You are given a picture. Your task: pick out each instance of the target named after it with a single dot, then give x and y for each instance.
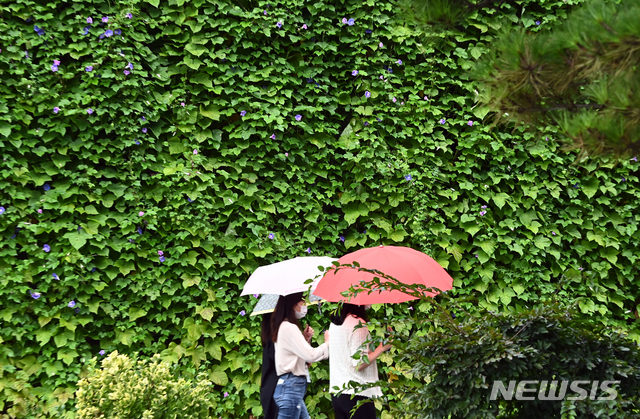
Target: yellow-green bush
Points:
(127, 388)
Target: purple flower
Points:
(483, 207)
(88, 68)
(54, 68)
(342, 238)
(195, 151)
(442, 121)
(105, 19)
(226, 394)
(56, 62)
(161, 258)
(408, 177)
(298, 118)
(411, 308)
(129, 15)
(623, 179)
(379, 120)
(271, 236)
(580, 268)
(634, 159)
(38, 30)
(2, 210)
(273, 136)
(108, 33)
(354, 73)
(553, 232)
(35, 295)
(102, 352)
(476, 255)
(344, 20)
(118, 32)
(89, 20)
(242, 313)
(265, 12)
(470, 123)
(537, 22)
(189, 199)
(308, 250)
(482, 213)
(366, 123)
(160, 253)
(89, 111)
(141, 213)
(381, 77)
(286, 154)
(394, 99)
(351, 22)
(101, 36)
(182, 104)
(46, 187)
(139, 230)
(143, 118)
(304, 26)
(86, 30)
(93, 269)
(380, 45)
(144, 130)
(55, 276)
(426, 98)
(368, 31)
(127, 72)
(256, 295)
(56, 109)
(71, 304)
(367, 93)
(243, 113)
(399, 62)
(279, 24)
(39, 211)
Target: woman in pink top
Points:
(293, 352)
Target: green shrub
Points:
(124, 388)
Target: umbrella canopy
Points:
(267, 303)
(405, 264)
(286, 277)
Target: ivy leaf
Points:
(126, 337)
(5, 128)
(591, 187)
(541, 242)
(76, 240)
(213, 348)
(136, 313)
(212, 112)
(218, 376)
(500, 199)
(67, 355)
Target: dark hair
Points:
(265, 333)
(346, 309)
(284, 310)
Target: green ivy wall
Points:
(137, 195)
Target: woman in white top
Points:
(346, 341)
(293, 352)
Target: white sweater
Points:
(344, 343)
(293, 351)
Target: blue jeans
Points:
(289, 397)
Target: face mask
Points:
(367, 306)
(303, 312)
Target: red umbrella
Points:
(403, 263)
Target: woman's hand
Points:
(326, 337)
(308, 333)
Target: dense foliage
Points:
(581, 75)
(126, 388)
(154, 155)
(455, 359)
